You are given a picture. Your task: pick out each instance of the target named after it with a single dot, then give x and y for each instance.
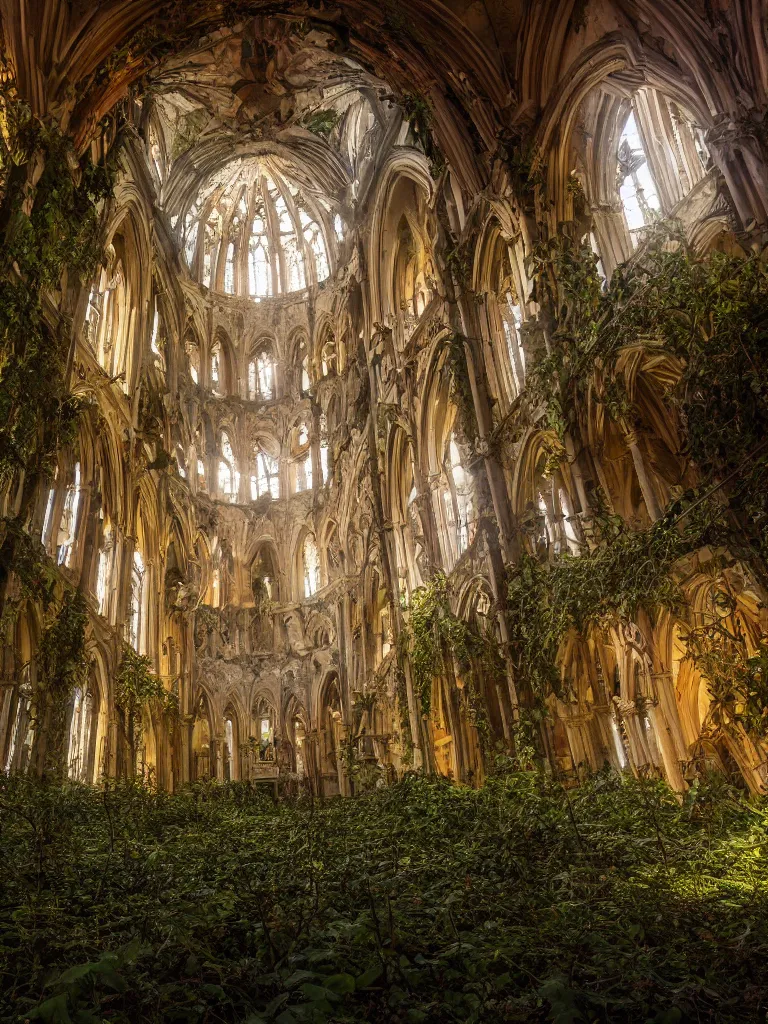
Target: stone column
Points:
(646, 487)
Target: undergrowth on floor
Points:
(424, 901)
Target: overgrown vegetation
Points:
(707, 315)
(420, 902)
(737, 678)
(138, 690)
(691, 330)
(625, 570)
(62, 657)
(50, 238)
(460, 385)
(321, 122)
(419, 115)
(434, 633)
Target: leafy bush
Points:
(420, 902)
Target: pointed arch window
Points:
(313, 236)
(190, 245)
(512, 320)
(458, 499)
(303, 459)
(637, 189)
(104, 573)
(229, 748)
(69, 520)
(229, 270)
(261, 376)
(21, 731)
(324, 453)
(136, 610)
(48, 519)
(311, 566)
(292, 250)
(216, 368)
(229, 478)
(264, 478)
(193, 357)
(79, 734)
(259, 262)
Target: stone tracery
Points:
(283, 456)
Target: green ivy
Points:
(460, 385)
(737, 679)
(626, 570)
(138, 689)
(433, 632)
(419, 902)
(321, 122)
(419, 115)
(50, 234)
(63, 663)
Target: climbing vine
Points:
(419, 115)
(62, 667)
(50, 240)
(321, 122)
(137, 690)
(433, 633)
(626, 570)
(62, 657)
(460, 386)
(737, 679)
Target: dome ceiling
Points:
(251, 232)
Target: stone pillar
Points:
(666, 748)
(646, 487)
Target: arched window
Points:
(212, 241)
(512, 320)
(303, 459)
(80, 726)
(230, 739)
(411, 292)
(261, 376)
(571, 537)
(193, 357)
(216, 369)
(314, 239)
(311, 565)
(104, 572)
(292, 250)
(259, 262)
(264, 477)
(637, 188)
(136, 610)
(229, 478)
(270, 235)
(21, 731)
(181, 461)
(324, 453)
(69, 520)
(229, 270)
(48, 519)
(458, 499)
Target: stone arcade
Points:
(318, 208)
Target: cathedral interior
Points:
(280, 445)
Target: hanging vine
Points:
(137, 690)
(433, 633)
(626, 570)
(63, 665)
